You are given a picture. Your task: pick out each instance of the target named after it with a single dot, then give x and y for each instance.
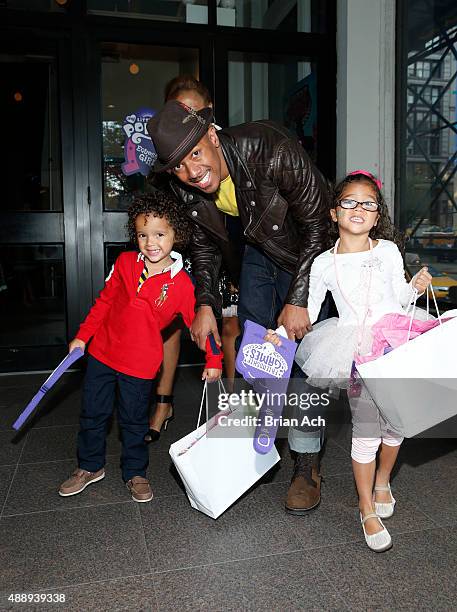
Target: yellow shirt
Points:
(225, 197)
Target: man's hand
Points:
(296, 321)
(203, 325)
(211, 374)
(76, 343)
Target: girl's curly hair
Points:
(384, 229)
(162, 205)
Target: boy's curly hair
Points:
(384, 229)
(162, 205)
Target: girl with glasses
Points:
(365, 274)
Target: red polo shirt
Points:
(125, 324)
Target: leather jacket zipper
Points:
(248, 225)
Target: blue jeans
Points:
(263, 291)
(99, 394)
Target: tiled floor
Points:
(105, 552)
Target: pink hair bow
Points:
(370, 176)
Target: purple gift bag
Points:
(267, 367)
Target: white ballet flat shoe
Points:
(378, 542)
(384, 509)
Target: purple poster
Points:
(139, 151)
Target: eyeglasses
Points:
(370, 206)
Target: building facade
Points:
(363, 83)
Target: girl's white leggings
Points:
(364, 449)
(369, 429)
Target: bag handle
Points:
(220, 384)
(201, 404)
(204, 394)
(413, 304)
(438, 315)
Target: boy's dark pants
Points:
(99, 394)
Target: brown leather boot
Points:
(304, 492)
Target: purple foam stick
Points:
(63, 366)
(267, 368)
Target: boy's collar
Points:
(173, 268)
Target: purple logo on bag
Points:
(259, 359)
(264, 358)
(267, 367)
(139, 151)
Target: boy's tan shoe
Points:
(79, 480)
(140, 489)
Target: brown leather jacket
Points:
(283, 203)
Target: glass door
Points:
(34, 258)
(132, 82)
(67, 91)
(282, 88)
(294, 89)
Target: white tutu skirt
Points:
(327, 352)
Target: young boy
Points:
(144, 292)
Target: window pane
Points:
(133, 78)
(435, 69)
(277, 87)
(31, 167)
(32, 296)
(161, 10)
(429, 158)
(290, 16)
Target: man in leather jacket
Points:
(259, 172)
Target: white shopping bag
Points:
(415, 385)
(217, 462)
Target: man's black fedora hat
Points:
(175, 130)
